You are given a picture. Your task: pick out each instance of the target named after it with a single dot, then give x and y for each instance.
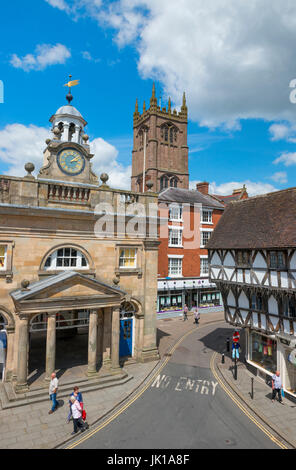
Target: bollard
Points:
(223, 358)
(227, 345)
(235, 368)
(252, 388)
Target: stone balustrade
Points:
(62, 193)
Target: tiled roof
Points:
(266, 221)
(191, 196)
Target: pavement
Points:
(31, 427)
(280, 418)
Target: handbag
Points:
(83, 415)
(283, 393)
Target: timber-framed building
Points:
(252, 255)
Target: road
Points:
(184, 407)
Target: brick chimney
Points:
(203, 187)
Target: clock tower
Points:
(67, 156)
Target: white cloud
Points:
(234, 58)
(253, 188)
(226, 189)
(45, 55)
(105, 160)
(280, 177)
(287, 158)
(60, 4)
(87, 56)
(21, 144)
(280, 131)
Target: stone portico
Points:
(59, 293)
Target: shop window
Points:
(277, 260)
(263, 351)
(66, 258)
(128, 258)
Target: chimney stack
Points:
(203, 187)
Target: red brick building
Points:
(188, 219)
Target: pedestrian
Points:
(185, 312)
(78, 395)
(276, 382)
(235, 350)
(196, 314)
(53, 390)
(76, 411)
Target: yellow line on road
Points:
(130, 402)
(242, 408)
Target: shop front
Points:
(263, 351)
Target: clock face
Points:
(71, 161)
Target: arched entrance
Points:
(126, 345)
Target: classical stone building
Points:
(67, 266)
(160, 150)
(252, 255)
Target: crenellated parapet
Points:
(161, 111)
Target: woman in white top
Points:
(76, 411)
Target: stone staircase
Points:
(10, 399)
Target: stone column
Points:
(50, 345)
(22, 355)
(9, 353)
(100, 338)
(92, 343)
(107, 338)
(115, 338)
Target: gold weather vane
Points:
(69, 85)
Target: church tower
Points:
(160, 151)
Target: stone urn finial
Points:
(57, 132)
(85, 138)
(149, 185)
(104, 178)
(25, 284)
(116, 281)
(29, 167)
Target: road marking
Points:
(242, 408)
(185, 384)
(141, 391)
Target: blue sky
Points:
(242, 125)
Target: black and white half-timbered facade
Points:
(252, 258)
